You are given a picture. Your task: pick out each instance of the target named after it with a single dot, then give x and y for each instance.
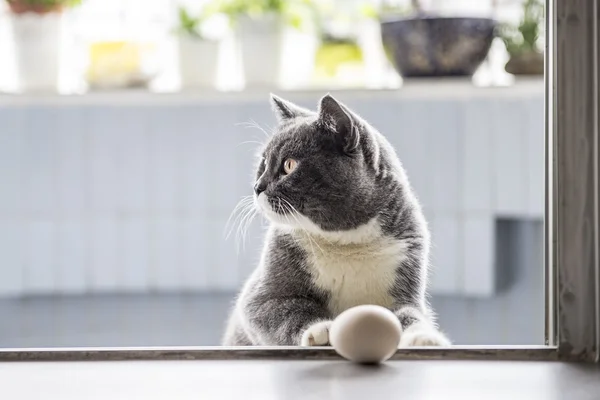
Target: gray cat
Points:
(346, 229)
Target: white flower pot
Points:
(260, 40)
(37, 47)
(198, 60)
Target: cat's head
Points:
(319, 170)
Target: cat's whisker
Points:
(246, 224)
(235, 215)
(246, 124)
(240, 234)
(310, 238)
(246, 221)
(237, 226)
(268, 132)
(306, 229)
(254, 124)
(289, 211)
(326, 218)
(256, 142)
(294, 213)
(270, 129)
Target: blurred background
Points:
(129, 129)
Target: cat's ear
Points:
(337, 118)
(285, 110)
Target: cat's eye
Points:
(289, 165)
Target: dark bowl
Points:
(433, 46)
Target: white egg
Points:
(366, 334)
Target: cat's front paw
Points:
(316, 335)
(423, 338)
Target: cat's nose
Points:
(259, 188)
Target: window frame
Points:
(572, 228)
(573, 180)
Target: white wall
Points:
(109, 193)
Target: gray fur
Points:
(347, 175)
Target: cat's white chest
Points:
(356, 274)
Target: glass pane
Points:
(135, 206)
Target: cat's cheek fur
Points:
(316, 334)
(422, 335)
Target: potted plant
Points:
(259, 26)
(522, 41)
(339, 58)
(335, 52)
(198, 54)
(36, 33)
(425, 45)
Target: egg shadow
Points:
(334, 380)
(347, 370)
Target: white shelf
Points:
(455, 88)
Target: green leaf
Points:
(524, 37)
(188, 24)
(297, 13)
(368, 10)
(48, 3)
